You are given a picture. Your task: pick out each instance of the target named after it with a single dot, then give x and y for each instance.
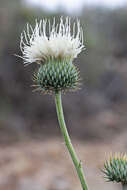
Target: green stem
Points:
(68, 143)
(124, 186)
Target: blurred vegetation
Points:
(103, 68)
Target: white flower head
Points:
(47, 41)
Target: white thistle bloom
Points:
(56, 41)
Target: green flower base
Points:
(57, 76)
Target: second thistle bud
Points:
(57, 76)
(116, 168)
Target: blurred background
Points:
(32, 151)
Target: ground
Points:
(46, 165)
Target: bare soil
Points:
(46, 165)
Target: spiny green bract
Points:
(116, 168)
(57, 76)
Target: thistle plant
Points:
(115, 169)
(54, 47)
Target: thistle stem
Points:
(68, 143)
(124, 186)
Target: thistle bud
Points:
(57, 76)
(115, 168)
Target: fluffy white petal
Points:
(56, 41)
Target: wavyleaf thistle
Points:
(53, 47)
(115, 169)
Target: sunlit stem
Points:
(77, 163)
